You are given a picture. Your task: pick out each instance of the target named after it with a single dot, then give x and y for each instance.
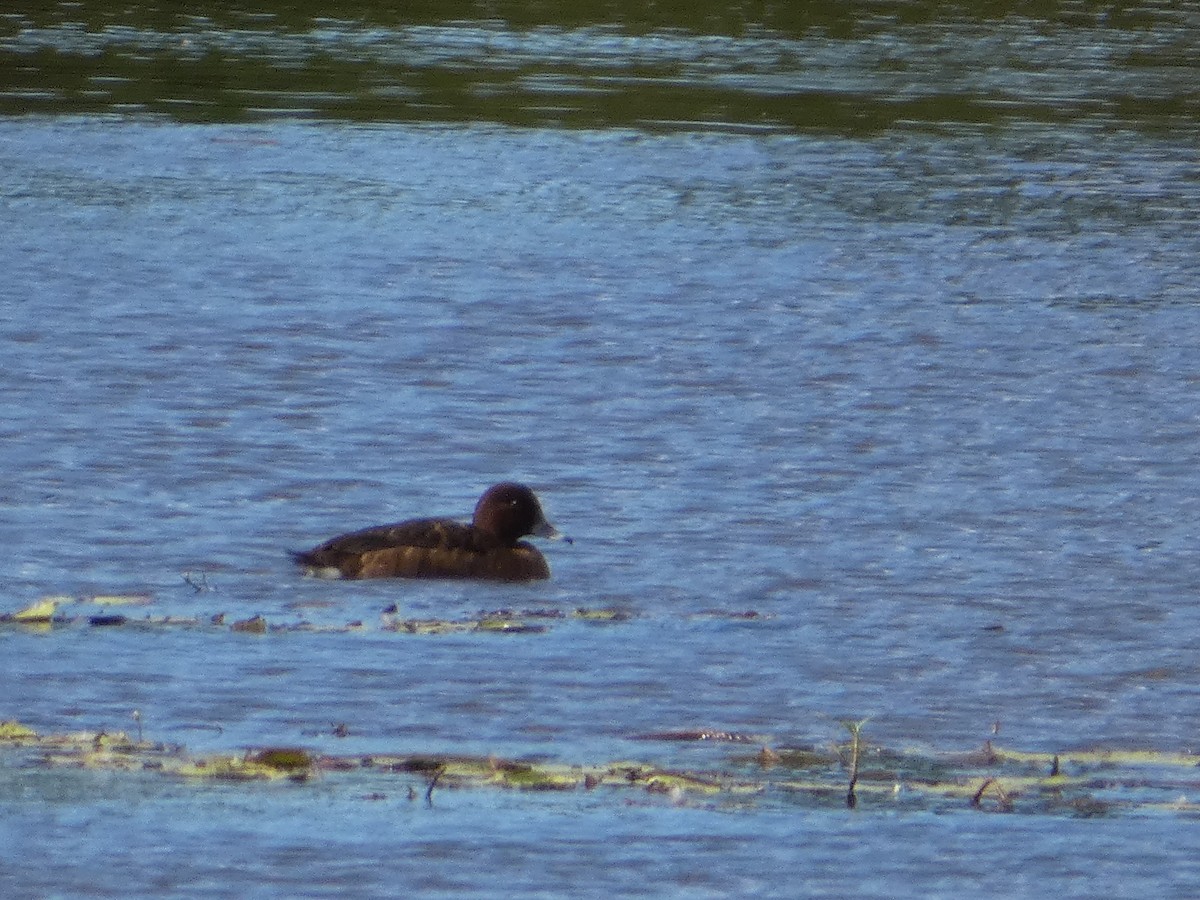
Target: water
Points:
(882, 328)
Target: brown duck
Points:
(490, 547)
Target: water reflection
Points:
(846, 68)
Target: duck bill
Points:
(544, 529)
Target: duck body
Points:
(488, 548)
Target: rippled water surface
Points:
(881, 328)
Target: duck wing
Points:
(428, 533)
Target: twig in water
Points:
(437, 774)
(198, 586)
(1003, 802)
(855, 729)
(987, 783)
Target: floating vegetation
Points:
(742, 615)
(269, 764)
(49, 612)
(16, 733)
(236, 768)
(603, 615)
(117, 599)
(1080, 783)
(491, 624)
(46, 610)
(40, 612)
(285, 759)
(253, 625)
(683, 736)
(505, 621)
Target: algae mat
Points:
(741, 772)
(1100, 782)
(53, 612)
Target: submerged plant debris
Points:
(54, 612)
(741, 770)
(1102, 782)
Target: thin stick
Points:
(197, 586)
(855, 729)
(1003, 801)
(978, 798)
(432, 784)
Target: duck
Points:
(489, 548)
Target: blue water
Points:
(924, 400)
(307, 842)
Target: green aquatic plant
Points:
(118, 599)
(16, 733)
(42, 611)
(286, 759)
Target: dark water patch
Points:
(846, 69)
